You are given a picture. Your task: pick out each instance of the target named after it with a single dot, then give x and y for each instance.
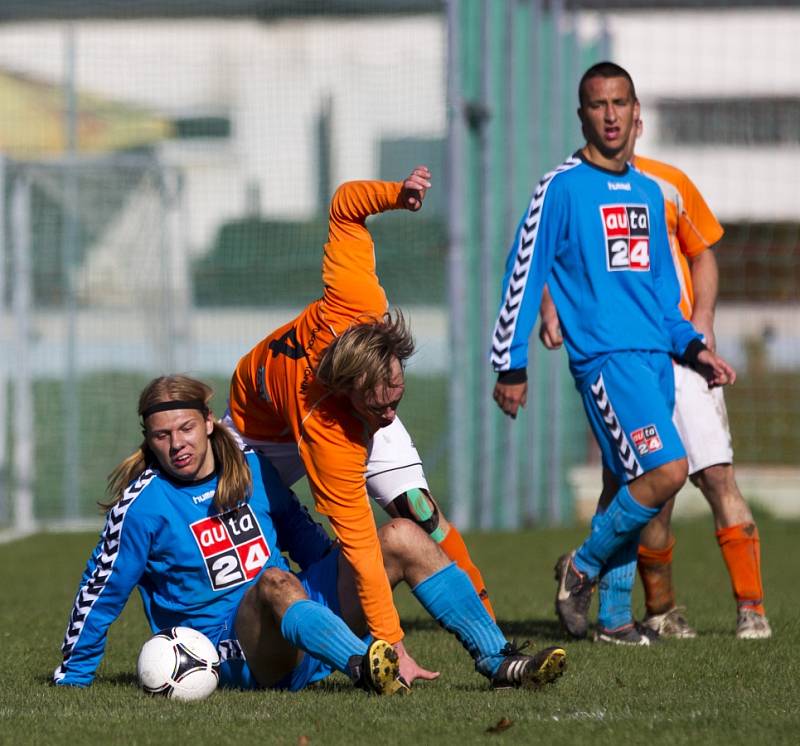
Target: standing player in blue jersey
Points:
(595, 233)
(198, 524)
(702, 422)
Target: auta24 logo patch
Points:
(627, 231)
(232, 545)
(646, 440)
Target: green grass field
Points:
(713, 690)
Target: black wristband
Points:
(693, 349)
(520, 375)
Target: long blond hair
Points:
(360, 358)
(234, 481)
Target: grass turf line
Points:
(713, 690)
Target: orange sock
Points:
(741, 550)
(655, 570)
(455, 548)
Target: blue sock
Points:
(449, 597)
(616, 587)
(315, 629)
(623, 520)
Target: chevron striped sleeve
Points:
(527, 266)
(113, 570)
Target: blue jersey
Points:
(192, 565)
(599, 240)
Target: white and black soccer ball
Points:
(179, 663)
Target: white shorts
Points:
(702, 420)
(393, 466)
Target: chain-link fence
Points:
(189, 219)
(96, 299)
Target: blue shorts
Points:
(629, 405)
(320, 583)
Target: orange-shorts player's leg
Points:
(454, 547)
(655, 569)
(418, 506)
(741, 550)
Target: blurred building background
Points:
(165, 174)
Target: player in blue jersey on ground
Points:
(198, 524)
(595, 233)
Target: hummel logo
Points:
(615, 186)
(197, 499)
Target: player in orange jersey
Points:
(319, 397)
(701, 419)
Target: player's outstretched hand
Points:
(510, 397)
(414, 188)
(410, 670)
(714, 369)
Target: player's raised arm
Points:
(354, 201)
(351, 284)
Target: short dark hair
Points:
(604, 70)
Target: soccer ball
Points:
(179, 663)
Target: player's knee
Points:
(418, 506)
(404, 544)
(398, 535)
(673, 475)
(276, 586)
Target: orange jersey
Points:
(691, 225)
(275, 396)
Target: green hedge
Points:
(261, 262)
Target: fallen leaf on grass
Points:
(500, 726)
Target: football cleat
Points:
(378, 670)
(750, 625)
(629, 634)
(573, 596)
(520, 671)
(670, 624)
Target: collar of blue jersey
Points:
(184, 483)
(579, 154)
